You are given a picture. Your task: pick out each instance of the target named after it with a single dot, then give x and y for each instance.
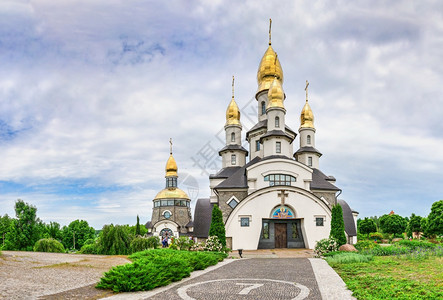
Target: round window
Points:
(167, 214)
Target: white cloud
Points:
(91, 92)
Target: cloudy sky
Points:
(92, 90)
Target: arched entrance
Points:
(281, 230)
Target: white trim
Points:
(232, 198)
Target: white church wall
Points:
(257, 172)
(260, 205)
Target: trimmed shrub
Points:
(414, 244)
(144, 275)
(365, 245)
(49, 245)
(325, 246)
(338, 225)
(157, 267)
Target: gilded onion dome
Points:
(307, 117)
(276, 94)
(232, 113)
(268, 70)
(171, 167)
(174, 193)
(269, 67)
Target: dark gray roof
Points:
(236, 180)
(321, 182)
(202, 218)
(307, 149)
(148, 225)
(261, 124)
(190, 224)
(348, 218)
(264, 124)
(233, 147)
(225, 172)
(276, 133)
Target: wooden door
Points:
(280, 235)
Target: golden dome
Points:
(268, 70)
(172, 193)
(233, 114)
(307, 117)
(171, 166)
(276, 94)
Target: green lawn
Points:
(390, 277)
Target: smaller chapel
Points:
(171, 212)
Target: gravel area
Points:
(35, 275)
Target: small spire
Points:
(232, 86)
(306, 89)
(270, 23)
(170, 146)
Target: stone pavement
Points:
(256, 278)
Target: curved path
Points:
(255, 278)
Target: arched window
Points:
(308, 139)
(233, 159)
(233, 137)
(263, 108)
(280, 179)
(277, 122)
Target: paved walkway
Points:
(255, 278)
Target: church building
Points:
(271, 196)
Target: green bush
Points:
(325, 246)
(348, 257)
(139, 244)
(365, 245)
(144, 275)
(90, 249)
(184, 243)
(156, 267)
(153, 242)
(49, 245)
(376, 236)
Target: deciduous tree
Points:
(77, 232)
(394, 224)
(367, 226)
(23, 231)
(435, 220)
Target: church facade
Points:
(273, 194)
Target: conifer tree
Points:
(338, 225)
(137, 227)
(217, 226)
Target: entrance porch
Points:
(281, 233)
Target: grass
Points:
(404, 276)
